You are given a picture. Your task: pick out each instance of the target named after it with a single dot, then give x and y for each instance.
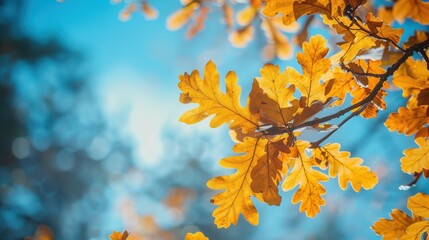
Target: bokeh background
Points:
(90, 140)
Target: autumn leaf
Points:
(419, 204)
(236, 199)
(416, 159)
(416, 230)
(339, 85)
(267, 173)
(415, 9)
(411, 77)
(182, 16)
(294, 9)
(366, 86)
(314, 65)
(225, 107)
(408, 120)
(395, 227)
(278, 109)
(241, 37)
(302, 174)
(119, 236)
(196, 236)
(345, 168)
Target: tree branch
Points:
(356, 113)
(408, 52)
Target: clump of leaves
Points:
(284, 104)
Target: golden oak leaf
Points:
(408, 120)
(411, 77)
(278, 109)
(294, 9)
(198, 24)
(196, 236)
(419, 204)
(385, 14)
(379, 28)
(148, 11)
(339, 85)
(415, 9)
(310, 190)
(356, 40)
(394, 228)
(178, 19)
(236, 199)
(418, 37)
(416, 159)
(119, 236)
(345, 168)
(246, 16)
(225, 107)
(278, 44)
(242, 36)
(367, 84)
(314, 65)
(416, 230)
(267, 173)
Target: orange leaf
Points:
(394, 228)
(415, 9)
(416, 159)
(408, 120)
(196, 236)
(345, 168)
(225, 107)
(416, 230)
(236, 199)
(419, 205)
(314, 65)
(294, 9)
(310, 190)
(178, 19)
(266, 175)
(119, 236)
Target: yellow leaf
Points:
(178, 19)
(246, 16)
(196, 236)
(119, 236)
(275, 84)
(379, 28)
(408, 120)
(267, 173)
(236, 199)
(242, 36)
(148, 11)
(411, 77)
(394, 228)
(339, 85)
(419, 204)
(294, 9)
(345, 168)
(225, 107)
(310, 190)
(415, 9)
(314, 65)
(367, 84)
(416, 159)
(416, 230)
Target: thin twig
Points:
(409, 52)
(353, 114)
